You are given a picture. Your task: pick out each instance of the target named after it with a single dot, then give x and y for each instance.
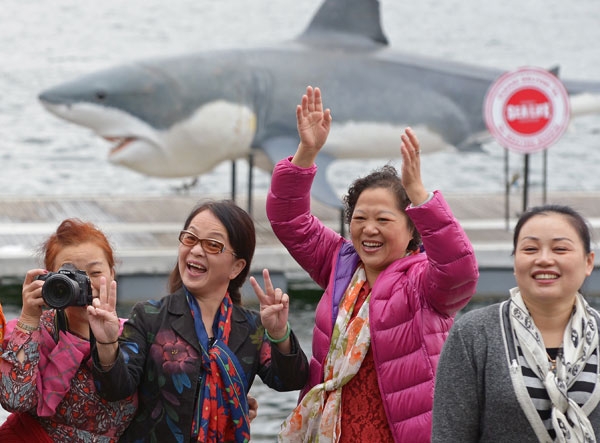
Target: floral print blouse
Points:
(54, 384)
(160, 357)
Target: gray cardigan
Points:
(480, 395)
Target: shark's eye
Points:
(100, 95)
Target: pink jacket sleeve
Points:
(309, 241)
(450, 278)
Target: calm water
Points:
(43, 43)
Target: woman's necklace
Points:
(552, 362)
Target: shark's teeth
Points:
(120, 142)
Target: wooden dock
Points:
(144, 231)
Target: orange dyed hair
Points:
(73, 231)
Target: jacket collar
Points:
(183, 322)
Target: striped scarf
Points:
(580, 340)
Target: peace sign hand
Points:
(102, 313)
(274, 307)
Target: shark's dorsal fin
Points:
(346, 21)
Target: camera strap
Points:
(61, 323)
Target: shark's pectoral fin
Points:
(321, 188)
(282, 147)
(277, 148)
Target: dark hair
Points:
(575, 218)
(73, 231)
(242, 236)
(385, 177)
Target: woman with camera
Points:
(47, 381)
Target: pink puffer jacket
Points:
(413, 302)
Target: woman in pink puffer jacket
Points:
(391, 293)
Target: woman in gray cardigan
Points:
(526, 369)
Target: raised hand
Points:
(313, 124)
(411, 167)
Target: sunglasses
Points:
(209, 245)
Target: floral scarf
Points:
(222, 409)
(580, 339)
(317, 417)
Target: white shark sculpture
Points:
(181, 116)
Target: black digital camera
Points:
(67, 287)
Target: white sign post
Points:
(527, 111)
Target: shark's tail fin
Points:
(346, 21)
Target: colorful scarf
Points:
(60, 361)
(222, 409)
(579, 342)
(317, 417)
(58, 364)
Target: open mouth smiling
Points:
(545, 276)
(196, 267)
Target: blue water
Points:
(43, 43)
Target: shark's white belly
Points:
(377, 140)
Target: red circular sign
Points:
(527, 110)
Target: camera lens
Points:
(59, 291)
